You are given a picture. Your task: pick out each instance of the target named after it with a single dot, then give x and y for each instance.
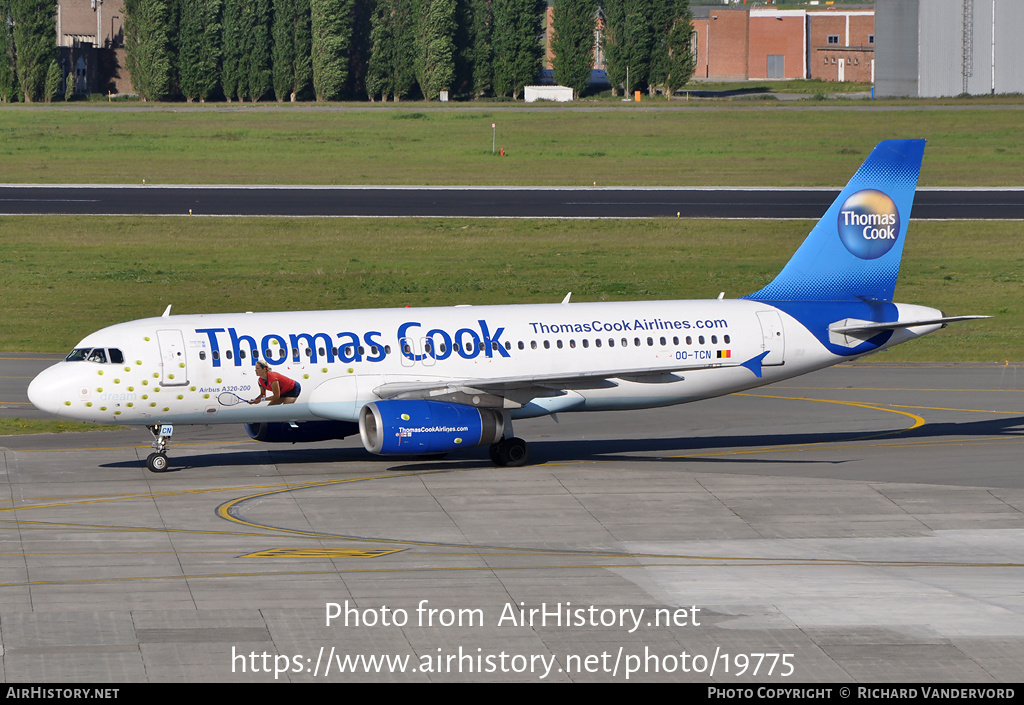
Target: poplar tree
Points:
(8, 75)
(463, 81)
(435, 47)
(629, 42)
(53, 76)
(480, 50)
(381, 47)
(35, 44)
(332, 31)
(284, 48)
(199, 42)
(293, 42)
(518, 52)
(679, 60)
(671, 61)
(359, 47)
(391, 70)
(256, 67)
(572, 43)
(232, 50)
(148, 47)
(614, 10)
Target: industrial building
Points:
(738, 43)
(90, 37)
(936, 48)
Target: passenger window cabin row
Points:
(348, 352)
(115, 356)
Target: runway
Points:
(860, 524)
(483, 202)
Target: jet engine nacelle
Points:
(305, 432)
(415, 427)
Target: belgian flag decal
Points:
(724, 353)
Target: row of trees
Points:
(328, 49)
(646, 43)
(251, 50)
(28, 50)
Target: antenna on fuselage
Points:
(167, 311)
(566, 299)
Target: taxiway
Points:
(864, 523)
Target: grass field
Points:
(803, 144)
(17, 427)
(64, 277)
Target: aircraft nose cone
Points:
(46, 390)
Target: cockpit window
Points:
(96, 355)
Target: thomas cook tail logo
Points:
(869, 224)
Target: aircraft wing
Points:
(514, 392)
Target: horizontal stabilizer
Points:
(851, 332)
(853, 326)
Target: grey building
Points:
(90, 40)
(934, 48)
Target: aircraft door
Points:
(774, 341)
(173, 361)
(427, 346)
(417, 350)
(407, 352)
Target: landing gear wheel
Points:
(510, 452)
(157, 462)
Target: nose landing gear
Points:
(157, 461)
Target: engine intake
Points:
(414, 427)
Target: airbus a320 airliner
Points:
(430, 381)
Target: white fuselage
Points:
(175, 367)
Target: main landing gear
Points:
(510, 452)
(157, 460)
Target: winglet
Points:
(754, 363)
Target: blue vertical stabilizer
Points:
(854, 251)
